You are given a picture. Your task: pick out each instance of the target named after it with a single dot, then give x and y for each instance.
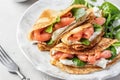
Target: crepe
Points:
(48, 17)
(77, 45)
(88, 68)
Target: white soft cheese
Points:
(97, 11)
(117, 49)
(95, 34)
(116, 23)
(57, 33)
(102, 63)
(53, 52)
(66, 62)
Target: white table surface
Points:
(10, 13)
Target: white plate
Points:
(39, 59)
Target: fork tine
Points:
(2, 60)
(3, 52)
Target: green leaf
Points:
(116, 44)
(50, 42)
(113, 50)
(107, 7)
(77, 13)
(117, 36)
(57, 19)
(94, 0)
(79, 2)
(49, 29)
(116, 28)
(85, 41)
(97, 27)
(78, 62)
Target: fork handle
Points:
(22, 76)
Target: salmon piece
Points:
(64, 56)
(98, 55)
(91, 59)
(64, 22)
(40, 35)
(88, 32)
(100, 20)
(106, 54)
(60, 55)
(82, 57)
(69, 14)
(57, 55)
(76, 37)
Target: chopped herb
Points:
(113, 50)
(57, 19)
(78, 62)
(116, 44)
(49, 29)
(85, 41)
(79, 2)
(50, 42)
(77, 13)
(97, 27)
(94, 0)
(117, 36)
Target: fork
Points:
(10, 64)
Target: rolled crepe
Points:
(48, 18)
(63, 57)
(79, 35)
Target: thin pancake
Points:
(46, 18)
(78, 46)
(104, 43)
(49, 16)
(82, 70)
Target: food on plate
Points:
(52, 24)
(83, 36)
(103, 55)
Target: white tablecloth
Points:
(10, 13)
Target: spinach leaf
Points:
(107, 7)
(85, 41)
(116, 44)
(110, 12)
(79, 2)
(50, 42)
(78, 62)
(94, 0)
(49, 29)
(116, 28)
(97, 27)
(117, 36)
(57, 19)
(84, 2)
(77, 13)
(113, 50)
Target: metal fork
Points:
(10, 64)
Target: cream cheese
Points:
(117, 49)
(102, 63)
(66, 62)
(95, 34)
(97, 12)
(57, 33)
